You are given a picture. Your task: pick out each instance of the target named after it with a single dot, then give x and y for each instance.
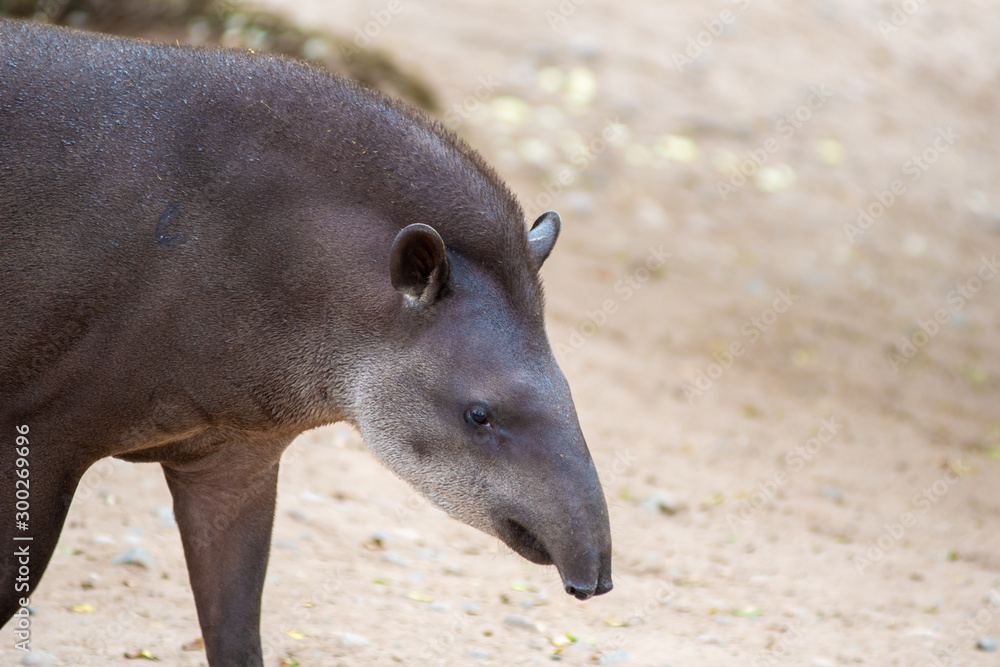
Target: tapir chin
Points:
(204, 253)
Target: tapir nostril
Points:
(580, 593)
(604, 587)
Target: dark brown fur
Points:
(194, 268)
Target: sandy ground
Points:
(790, 483)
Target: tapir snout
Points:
(562, 520)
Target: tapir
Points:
(204, 253)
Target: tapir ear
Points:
(542, 236)
(418, 264)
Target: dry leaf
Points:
(141, 653)
(194, 645)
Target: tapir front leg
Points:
(32, 510)
(224, 506)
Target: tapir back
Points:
(188, 209)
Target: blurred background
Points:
(776, 298)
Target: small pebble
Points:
(395, 558)
(352, 639)
(311, 498)
(472, 608)
(137, 556)
(577, 653)
(380, 538)
(440, 607)
(613, 657)
(519, 621)
(833, 493)
(986, 644)
(39, 658)
(300, 516)
(660, 502)
(166, 515)
(479, 654)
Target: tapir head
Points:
(471, 408)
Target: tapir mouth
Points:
(576, 581)
(524, 542)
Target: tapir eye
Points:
(478, 416)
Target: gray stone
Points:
(300, 516)
(395, 558)
(137, 556)
(353, 639)
(613, 657)
(660, 502)
(479, 654)
(166, 515)
(519, 621)
(986, 644)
